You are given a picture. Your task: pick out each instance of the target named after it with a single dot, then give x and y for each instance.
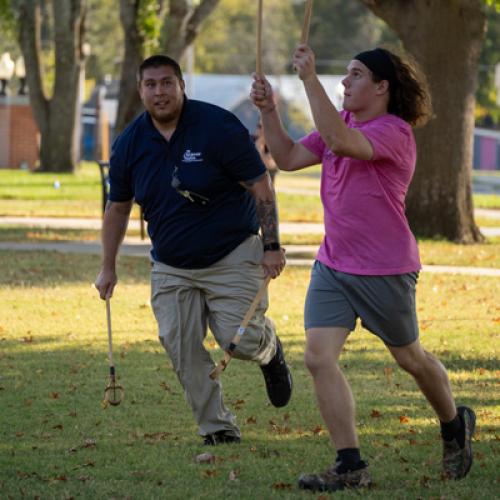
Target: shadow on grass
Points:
(57, 438)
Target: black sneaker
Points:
(278, 378)
(331, 480)
(220, 437)
(457, 459)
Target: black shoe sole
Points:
(468, 443)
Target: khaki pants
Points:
(186, 301)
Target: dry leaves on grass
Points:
(282, 486)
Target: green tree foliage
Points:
(8, 28)
(342, 29)
(487, 109)
(227, 42)
(339, 29)
(105, 37)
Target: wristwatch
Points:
(272, 247)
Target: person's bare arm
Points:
(338, 137)
(114, 227)
(287, 154)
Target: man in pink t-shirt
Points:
(367, 265)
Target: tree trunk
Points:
(55, 117)
(129, 104)
(445, 37)
(179, 31)
(183, 24)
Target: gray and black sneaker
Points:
(220, 437)
(331, 480)
(278, 378)
(457, 459)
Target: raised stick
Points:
(307, 22)
(228, 354)
(258, 55)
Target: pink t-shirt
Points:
(366, 230)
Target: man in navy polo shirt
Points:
(205, 194)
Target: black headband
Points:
(379, 62)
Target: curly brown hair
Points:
(409, 95)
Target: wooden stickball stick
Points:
(307, 22)
(228, 354)
(258, 55)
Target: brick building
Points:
(19, 136)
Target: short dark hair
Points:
(157, 61)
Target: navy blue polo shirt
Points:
(210, 152)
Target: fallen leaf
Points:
(318, 430)
(375, 414)
(205, 458)
(403, 419)
(282, 486)
(158, 436)
(233, 475)
(138, 473)
(54, 395)
(425, 481)
(251, 420)
(210, 473)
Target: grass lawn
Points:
(434, 252)
(79, 195)
(57, 440)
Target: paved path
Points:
(297, 255)
(285, 227)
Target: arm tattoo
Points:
(267, 214)
(248, 184)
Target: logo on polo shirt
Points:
(191, 157)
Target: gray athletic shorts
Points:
(385, 304)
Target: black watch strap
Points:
(272, 247)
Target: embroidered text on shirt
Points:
(190, 157)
